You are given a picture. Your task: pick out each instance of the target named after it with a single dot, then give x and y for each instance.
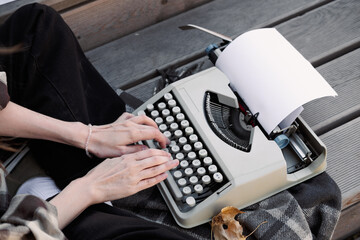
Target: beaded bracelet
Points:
(87, 141)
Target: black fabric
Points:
(87, 226)
(130, 100)
(52, 76)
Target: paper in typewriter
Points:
(271, 77)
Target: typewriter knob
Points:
(180, 117)
(191, 155)
(184, 164)
(188, 171)
(159, 120)
(193, 138)
(207, 161)
(212, 169)
(196, 163)
(193, 180)
(175, 149)
(184, 123)
(198, 188)
(168, 96)
(154, 113)
(201, 171)
(167, 134)
(161, 106)
(165, 112)
(176, 110)
(174, 126)
(162, 127)
(203, 153)
(198, 146)
(206, 179)
(182, 182)
(182, 140)
(169, 119)
(187, 148)
(177, 174)
(187, 190)
(171, 103)
(179, 156)
(218, 177)
(190, 201)
(150, 107)
(189, 131)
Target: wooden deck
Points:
(326, 32)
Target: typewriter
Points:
(226, 157)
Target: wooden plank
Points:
(343, 159)
(63, 5)
(317, 33)
(130, 58)
(58, 5)
(343, 75)
(102, 21)
(348, 224)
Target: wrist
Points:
(72, 201)
(78, 134)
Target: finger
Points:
(149, 182)
(126, 116)
(141, 155)
(144, 120)
(157, 169)
(154, 161)
(132, 149)
(143, 132)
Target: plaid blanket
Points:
(309, 210)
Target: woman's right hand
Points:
(123, 176)
(112, 179)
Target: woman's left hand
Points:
(115, 139)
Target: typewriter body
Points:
(225, 159)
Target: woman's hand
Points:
(110, 140)
(112, 179)
(113, 140)
(126, 175)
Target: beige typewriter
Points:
(226, 157)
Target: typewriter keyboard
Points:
(198, 175)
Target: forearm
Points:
(18, 121)
(72, 201)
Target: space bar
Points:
(173, 187)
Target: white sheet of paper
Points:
(271, 76)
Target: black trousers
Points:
(53, 76)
